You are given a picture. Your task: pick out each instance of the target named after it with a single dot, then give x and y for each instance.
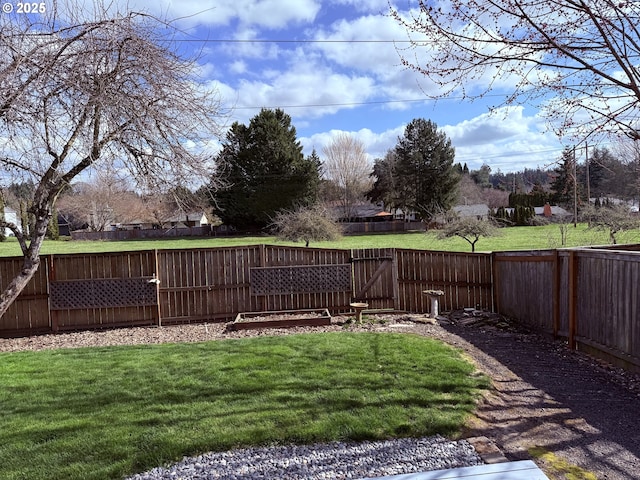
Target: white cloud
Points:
(497, 126)
(381, 60)
(374, 6)
(509, 141)
(376, 144)
(271, 14)
(238, 67)
(372, 55)
(322, 90)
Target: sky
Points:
(334, 67)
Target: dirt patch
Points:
(201, 332)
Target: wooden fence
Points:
(588, 296)
(83, 291)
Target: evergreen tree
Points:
(384, 186)
(262, 170)
(53, 229)
(537, 197)
(426, 174)
(25, 218)
(564, 183)
(388, 186)
(599, 161)
(481, 176)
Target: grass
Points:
(514, 238)
(104, 413)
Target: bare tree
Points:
(99, 205)
(471, 229)
(77, 92)
(613, 219)
(577, 59)
(469, 192)
(306, 224)
(629, 153)
(347, 166)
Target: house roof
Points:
(189, 217)
(364, 210)
(475, 210)
(555, 210)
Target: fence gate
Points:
(374, 277)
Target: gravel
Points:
(334, 460)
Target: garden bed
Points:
(281, 319)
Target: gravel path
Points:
(585, 412)
(544, 396)
(334, 460)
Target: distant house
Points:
(550, 211)
(362, 212)
(189, 220)
(408, 216)
(370, 218)
(182, 220)
(64, 229)
(478, 210)
(10, 215)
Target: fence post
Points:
(157, 275)
(394, 279)
(495, 285)
(556, 294)
(262, 302)
(51, 277)
(573, 298)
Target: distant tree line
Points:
(261, 174)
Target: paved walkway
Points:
(522, 470)
(548, 398)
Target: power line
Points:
(275, 40)
(521, 153)
(347, 104)
(373, 102)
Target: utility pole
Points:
(575, 189)
(586, 165)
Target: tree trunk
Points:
(31, 260)
(19, 282)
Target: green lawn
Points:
(514, 238)
(104, 413)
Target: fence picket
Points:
(589, 295)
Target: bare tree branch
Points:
(577, 60)
(110, 90)
(347, 166)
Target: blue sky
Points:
(333, 67)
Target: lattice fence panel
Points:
(301, 279)
(103, 293)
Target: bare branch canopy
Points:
(578, 60)
(75, 93)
